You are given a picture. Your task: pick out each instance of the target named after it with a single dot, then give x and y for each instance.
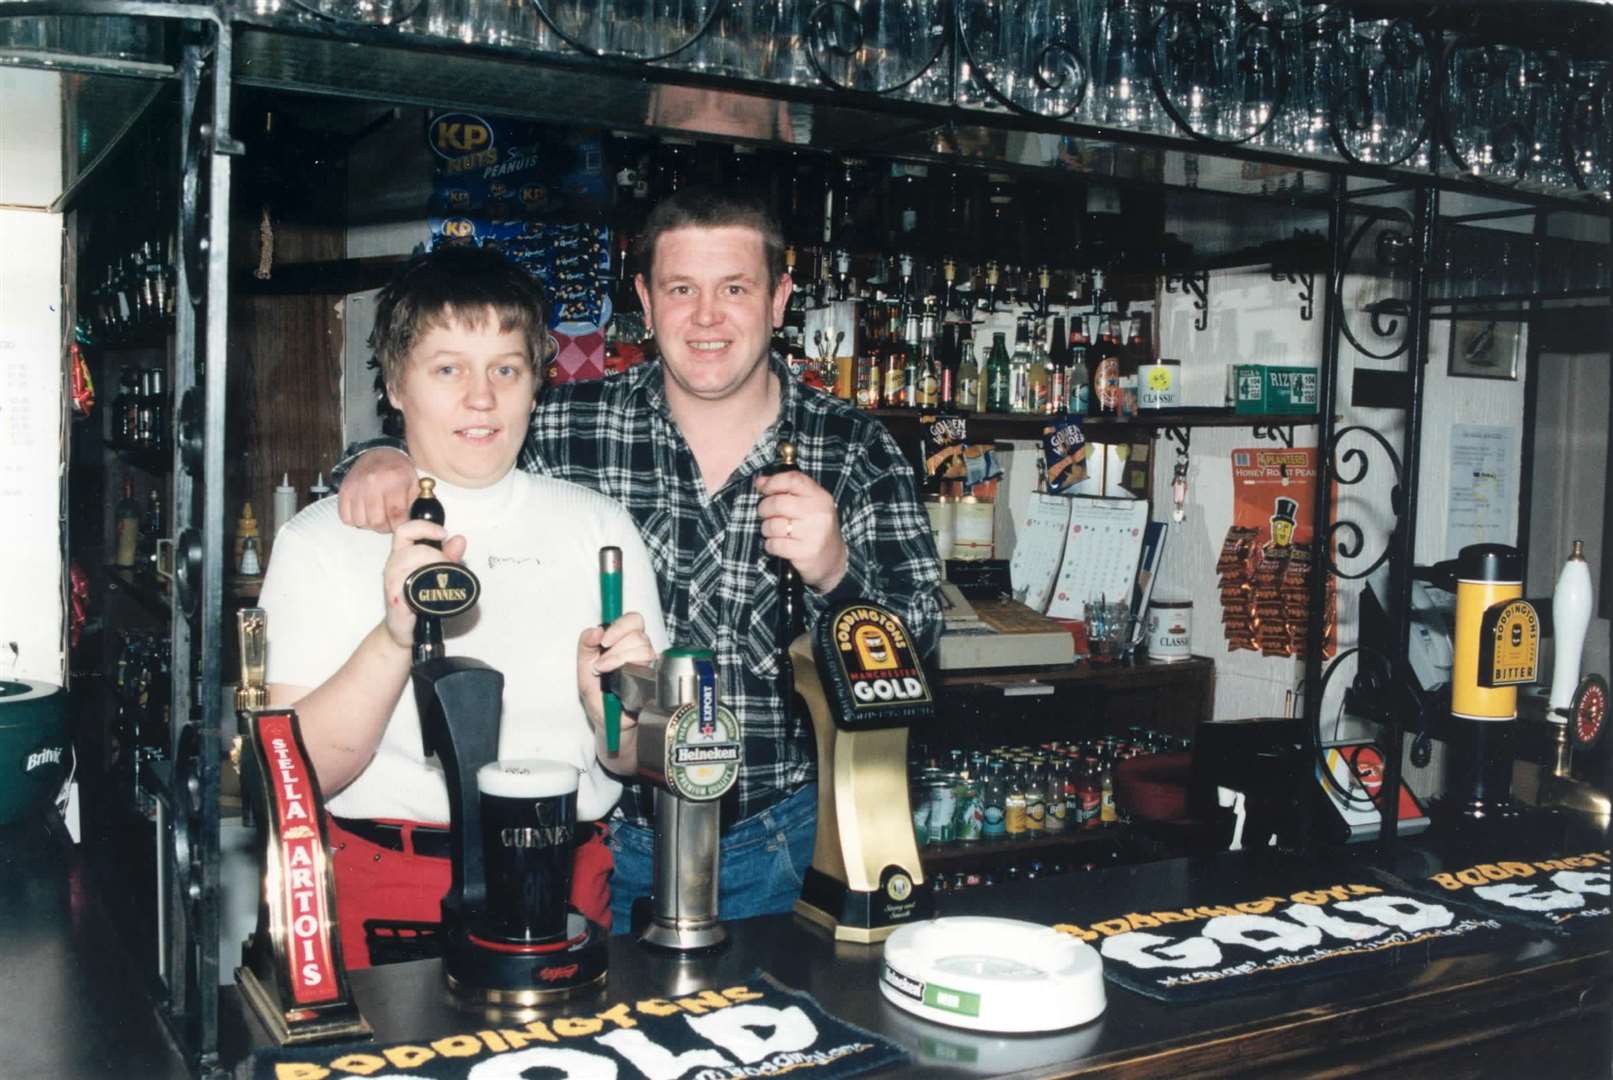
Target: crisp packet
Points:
(1064, 452)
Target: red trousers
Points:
(374, 882)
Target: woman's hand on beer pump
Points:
(605, 649)
(409, 553)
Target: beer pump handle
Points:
(610, 609)
(428, 644)
(791, 600)
(251, 626)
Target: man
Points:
(683, 443)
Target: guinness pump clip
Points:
(864, 687)
(292, 975)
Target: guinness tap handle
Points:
(427, 627)
(426, 508)
(610, 609)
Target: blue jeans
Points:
(763, 859)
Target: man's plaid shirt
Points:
(718, 588)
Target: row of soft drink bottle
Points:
(1019, 792)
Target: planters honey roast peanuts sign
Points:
(871, 673)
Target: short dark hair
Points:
(712, 208)
(465, 284)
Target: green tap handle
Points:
(610, 609)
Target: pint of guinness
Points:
(529, 825)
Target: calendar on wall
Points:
(1101, 549)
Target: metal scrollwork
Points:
(875, 46)
(1306, 280)
(1195, 283)
(1382, 287)
(1029, 58)
(1349, 467)
(1276, 434)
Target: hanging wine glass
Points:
(1550, 100)
(642, 30)
(1381, 115)
(363, 12)
(1026, 53)
(1590, 127)
(1481, 107)
(1190, 46)
(1123, 66)
(874, 45)
(1316, 81)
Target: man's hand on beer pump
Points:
(800, 523)
(377, 490)
(605, 649)
(410, 553)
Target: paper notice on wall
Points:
(31, 445)
(1481, 506)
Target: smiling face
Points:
(466, 395)
(711, 309)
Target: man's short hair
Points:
(713, 208)
(466, 285)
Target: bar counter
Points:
(1539, 1008)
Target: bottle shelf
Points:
(1023, 425)
(959, 854)
(148, 594)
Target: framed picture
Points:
(1486, 348)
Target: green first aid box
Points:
(1270, 388)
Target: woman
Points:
(461, 338)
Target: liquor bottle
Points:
(125, 409)
(896, 362)
(1035, 801)
(870, 360)
(145, 554)
(947, 350)
(929, 371)
(998, 381)
(1106, 373)
(969, 382)
(1056, 812)
(1014, 824)
(1019, 371)
(1044, 369)
(1059, 358)
(1078, 383)
(1108, 814)
(915, 362)
(995, 798)
(1091, 788)
(127, 516)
